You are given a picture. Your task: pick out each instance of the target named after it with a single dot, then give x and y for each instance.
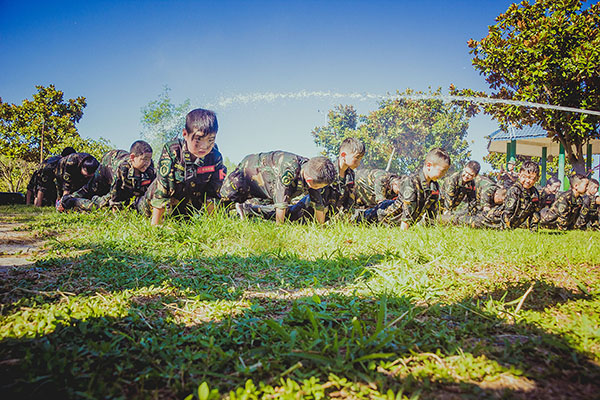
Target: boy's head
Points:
(437, 162)
(499, 195)
(352, 151)
(470, 171)
(200, 131)
(89, 165)
(67, 150)
(552, 185)
(510, 165)
(395, 183)
(592, 187)
(579, 184)
(140, 155)
(319, 172)
(528, 174)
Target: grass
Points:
(215, 307)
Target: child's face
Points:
(554, 188)
(435, 171)
(592, 189)
(141, 162)
(198, 143)
(527, 179)
(352, 160)
(468, 175)
(581, 186)
(85, 173)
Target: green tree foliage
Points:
(401, 129)
(162, 120)
(14, 173)
(47, 119)
(547, 52)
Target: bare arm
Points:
(320, 216)
(280, 215)
(39, 199)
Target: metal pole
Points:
(544, 156)
(389, 164)
(508, 152)
(561, 166)
(588, 160)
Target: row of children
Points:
(280, 185)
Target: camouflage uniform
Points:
(340, 195)
(274, 176)
(520, 206)
(416, 198)
(589, 217)
(508, 179)
(485, 189)
(373, 187)
(68, 173)
(184, 181)
(43, 179)
(455, 191)
(546, 199)
(563, 213)
(114, 184)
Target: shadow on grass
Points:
(227, 319)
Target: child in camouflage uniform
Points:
(459, 187)
(41, 189)
(375, 185)
(121, 177)
(278, 177)
(488, 194)
(548, 193)
(339, 196)
(588, 219)
(190, 170)
(565, 210)
(419, 195)
(73, 172)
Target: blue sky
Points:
(121, 54)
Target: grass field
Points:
(217, 307)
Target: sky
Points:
(256, 63)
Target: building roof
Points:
(527, 132)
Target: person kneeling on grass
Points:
(418, 197)
(275, 178)
(121, 179)
(190, 170)
(566, 209)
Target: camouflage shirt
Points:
(115, 180)
(589, 216)
(275, 176)
(44, 175)
(521, 205)
(508, 179)
(184, 178)
(563, 213)
(546, 199)
(417, 198)
(373, 186)
(485, 189)
(340, 195)
(454, 191)
(68, 173)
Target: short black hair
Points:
(530, 167)
(474, 166)
(204, 121)
(90, 164)
(140, 147)
(438, 156)
(552, 180)
(67, 150)
(353, 145)
(576, 178)
(594, 181)
(320, 169)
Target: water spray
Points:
(303, 94)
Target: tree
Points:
(162, 120)
(39, 127)
(402, 130)
(498, 163)
(549, 53)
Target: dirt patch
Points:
(18, 246)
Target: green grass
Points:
(214, 306)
